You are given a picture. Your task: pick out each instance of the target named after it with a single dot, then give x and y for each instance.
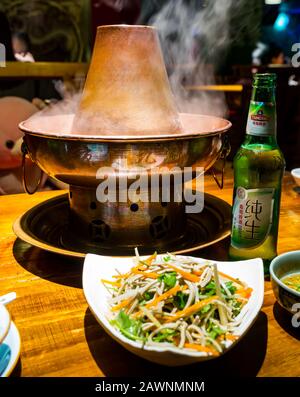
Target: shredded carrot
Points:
(122, 304)
(139, 268)
(198, 272)
(200, 348)
(149, 260)
(120, 275)
(124, 275)
(184, 274)
(142, 265)
(116, 283)
(230, 278)
(160, 298)
(192, 309)
(245, 292)
(146, 274)
(242, 301)
(227, 336)
(164, 296)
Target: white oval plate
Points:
(13, 340)
(4, 322)
(98, 267)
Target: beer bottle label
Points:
(252, 217)
(261, 118)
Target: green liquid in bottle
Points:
(258, 171)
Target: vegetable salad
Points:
(174, 301)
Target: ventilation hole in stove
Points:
(134, 207)
(159, 227)
(71, 195)
(99, 231)
(9, 144)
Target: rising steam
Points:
(195, 35)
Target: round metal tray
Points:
(43, 226)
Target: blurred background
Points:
(211, 48)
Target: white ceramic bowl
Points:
(103, 267)
(13, 341)
(281, 266)
(296, 175)
(4, 322)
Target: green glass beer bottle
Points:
(258, 171)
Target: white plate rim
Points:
(5, 319)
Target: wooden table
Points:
(60, 336)
(39, 70)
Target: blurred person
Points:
(267, 54)
(273, 55)
(5, 37)
(6, 40)
(21, 47)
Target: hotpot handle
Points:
(223, 156)
(25, 152)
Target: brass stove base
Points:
(44, 225)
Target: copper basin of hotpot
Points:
(75, 159)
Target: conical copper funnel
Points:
(127, 90)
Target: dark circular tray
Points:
(43, 226)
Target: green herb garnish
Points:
(168, 278)
(132, 329)
(236, 307)
(205, 309)
(180, 300)
(165, 335)
(167, 258)
(210, 288)
(214, 330)
(231, 288)
(148, 295)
